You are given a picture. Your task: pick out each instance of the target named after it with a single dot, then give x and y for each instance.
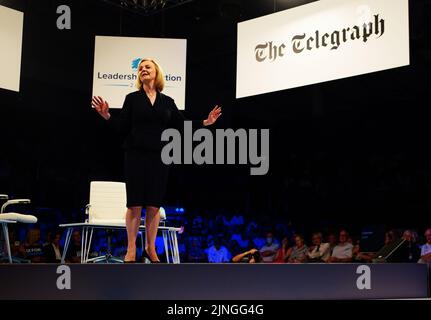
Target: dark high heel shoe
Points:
(147, 256)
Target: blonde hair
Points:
(160, 79)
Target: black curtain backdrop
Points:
(351, 151)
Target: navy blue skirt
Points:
(146, 178)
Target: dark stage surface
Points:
(214, 281)
(351, 153)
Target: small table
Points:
(169, 238)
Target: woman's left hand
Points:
(213, 116)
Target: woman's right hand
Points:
(101, 106)
(252, 251)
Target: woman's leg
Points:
(133, 220)
(152, 219)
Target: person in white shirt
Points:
(426, 248)
(342, 252)
(269, 249)
(218, 253)
(319, 252)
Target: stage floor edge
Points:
(194, 281)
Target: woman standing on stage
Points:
(144, 116)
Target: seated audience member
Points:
(237, 219)
(332, 240)
(319, 252)
(220, 222)
(259, 241)
(251, 229)
(238, 236)
(48, 238)
(33, 248)
(250, 256)
(234, 248)
(342, 252)
(218, 253)
(16, 247)
(281, 253)
(119, 246)
(413, 249)
(52, 249)
(73, 254)
(356, 248)
(195, 251)
(269, 249)
(197, 224)
(298, 254)
(390, 237)
(209, 242)
(426, 248)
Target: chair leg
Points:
(174, 248)
(171, 245)
(66, 244)
(6, 239)
(165, 240)
(177, 250)
(145, 242)
(87, 251)
(83, 244)
(108, 249)
(142, 241)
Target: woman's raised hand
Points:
(213, 116)
(101, 106)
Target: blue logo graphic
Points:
(135, 63)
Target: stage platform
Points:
(213, 281)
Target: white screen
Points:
(116, 60)
(261, 70)
(11, 26)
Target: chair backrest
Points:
(107, 202)
(162, 213)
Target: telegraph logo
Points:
(270, 51)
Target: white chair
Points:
(107, 210)
(13, 217)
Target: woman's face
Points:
(407, 235)
(147, 71)
(388, 237)
(57, 239)
(299, 242)
(343, 237)
(316, 240)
